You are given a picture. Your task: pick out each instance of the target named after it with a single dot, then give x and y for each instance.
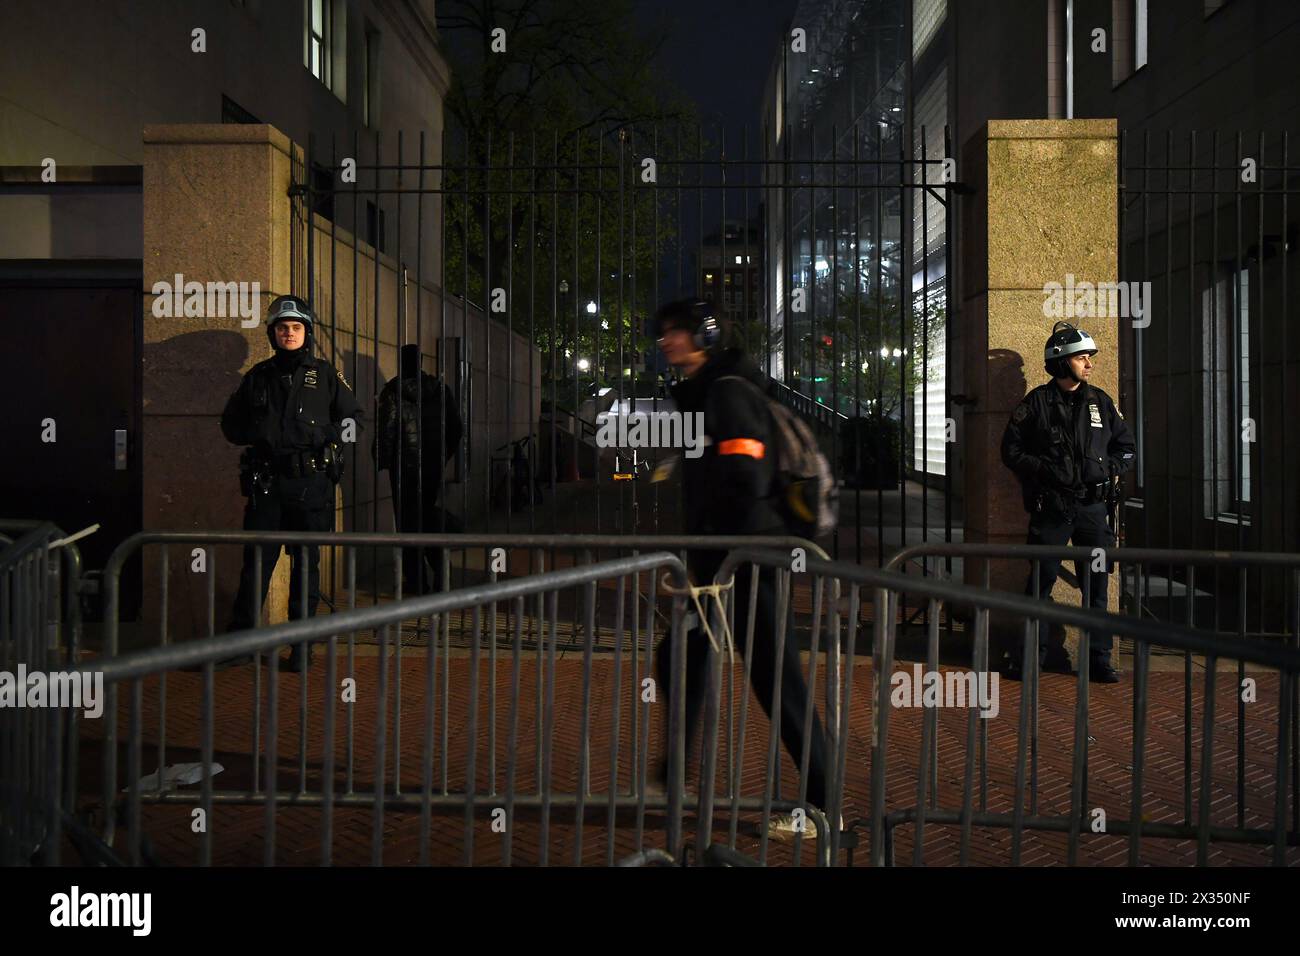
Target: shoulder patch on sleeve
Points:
(1021, 413)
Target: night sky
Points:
(719, 53)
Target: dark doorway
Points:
(71, 368)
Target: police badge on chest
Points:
(309, 379)
(1095, 413)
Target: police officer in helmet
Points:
(1069, 445)
(289, 412)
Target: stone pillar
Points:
(216, 209)
(1044, 207)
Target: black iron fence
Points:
(1208, 230)
(523, 270)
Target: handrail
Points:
(1089, 619)
(256, 640)
(36, 530)
(794, 398)
(113, 567)
(1053, 552)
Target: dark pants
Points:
(1084, 526)
(293, 504)
(421, 514)
(794, 691)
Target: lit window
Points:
(1140, 34)
(318, 60)
(324, 42)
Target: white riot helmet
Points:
(1065, 341)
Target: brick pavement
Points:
(239, 831)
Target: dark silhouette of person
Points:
(418, 430)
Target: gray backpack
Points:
(804, 492)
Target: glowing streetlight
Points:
(591, 308)
(583, 365)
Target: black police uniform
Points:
(289, 410)
(728, 491)
(1067, 448)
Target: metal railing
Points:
(577, 548)
(741, 768)
(627, 790)
(574, 547)
(1276, 619)
(39, 622)
(888, 586)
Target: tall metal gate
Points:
(524, 269)
(1208, 236)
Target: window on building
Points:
(324, 43)
(927, 17)
(1225, 395)
(370, 79)
(318, 60)
(1139, 34)
(1128, 40)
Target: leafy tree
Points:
(544, 175)
(843, 356)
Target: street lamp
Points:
(583, 365)
(591, 308)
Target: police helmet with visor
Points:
(290, 307)
(1064, 342)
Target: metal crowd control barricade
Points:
(39, 623)
(602, 737)
(889, 809)
(455, 633)
(1154, 582)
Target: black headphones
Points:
(696, 314)
(708, 334)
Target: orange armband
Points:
(742, 446)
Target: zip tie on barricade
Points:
(715, 591)
(72, 538)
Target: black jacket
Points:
(398, 421)
(283, 406)
(1061, 445)
(728, 489)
